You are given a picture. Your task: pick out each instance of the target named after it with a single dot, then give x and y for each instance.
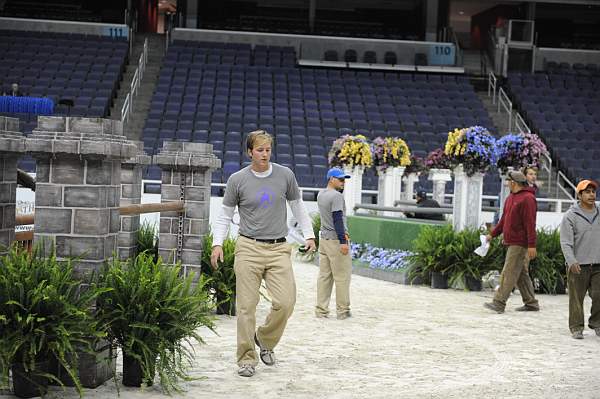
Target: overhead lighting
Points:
(461, 13)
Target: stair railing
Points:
(505, 103)
(127, 107)
(492, 84)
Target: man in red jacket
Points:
(518, 228)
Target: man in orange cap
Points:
(579, 239)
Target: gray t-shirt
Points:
(261, 201)
(330, 201)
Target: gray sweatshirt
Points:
(580, 236)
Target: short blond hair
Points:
(257, 137)
(531, 167)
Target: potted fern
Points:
(44, 316)
(433, 255)
(222, 280)
(152, 313)
(469, 268)
(548, 268)
(146, 239)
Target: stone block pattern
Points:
(131, 193)
(79, 187)
(8, 190)
(12, 144)
(79, 209)
(187, 167)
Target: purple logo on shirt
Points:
(265, 196)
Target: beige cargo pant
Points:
(255, 261)
(516, 273)
(334, 267)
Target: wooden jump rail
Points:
(136, 209)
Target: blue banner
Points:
(27, 105)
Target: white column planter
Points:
(439, 177)
(409, 186)
(389, 188)
(468, 192)
(353, 187)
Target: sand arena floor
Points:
(402, 342)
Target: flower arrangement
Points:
(473, 147)
(417, 165)
(518, 151)
(389, 152)
(437, 159)
(380, 258)
(349, 150)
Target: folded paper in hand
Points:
(483, 249)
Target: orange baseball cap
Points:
(582, 185)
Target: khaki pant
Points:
(333, 267)
(255, 261)
(516, 272)
(579, 284)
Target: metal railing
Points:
(492, 84)
(520, 124)
(127, 107)
(562, 179)
(505, 103)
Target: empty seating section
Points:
(86, 69)
(565, 111)
(218, 92)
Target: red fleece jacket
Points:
(518, 219)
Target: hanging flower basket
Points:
(350, 151)
(389, 152)
(472, 147)
(518, 151)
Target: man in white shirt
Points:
(261, 191)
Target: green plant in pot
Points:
(146, 240)
(548, 268)
(154, 314)
(44, 316)
(222, 280)
(433, 255)
(469, 267)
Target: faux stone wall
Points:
(8, 190)
(131, 193)
(12, 143)
(186, 174)
(78, 187)
(77, 206)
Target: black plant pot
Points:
(93, 369)
(26, 385)
(225, 306)
(439, 280)
(473, 284)
(132, 373)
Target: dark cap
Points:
(517, 177)
(421, 194)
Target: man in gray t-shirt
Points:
(335, 263)
(262, 201)
(260, 192)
